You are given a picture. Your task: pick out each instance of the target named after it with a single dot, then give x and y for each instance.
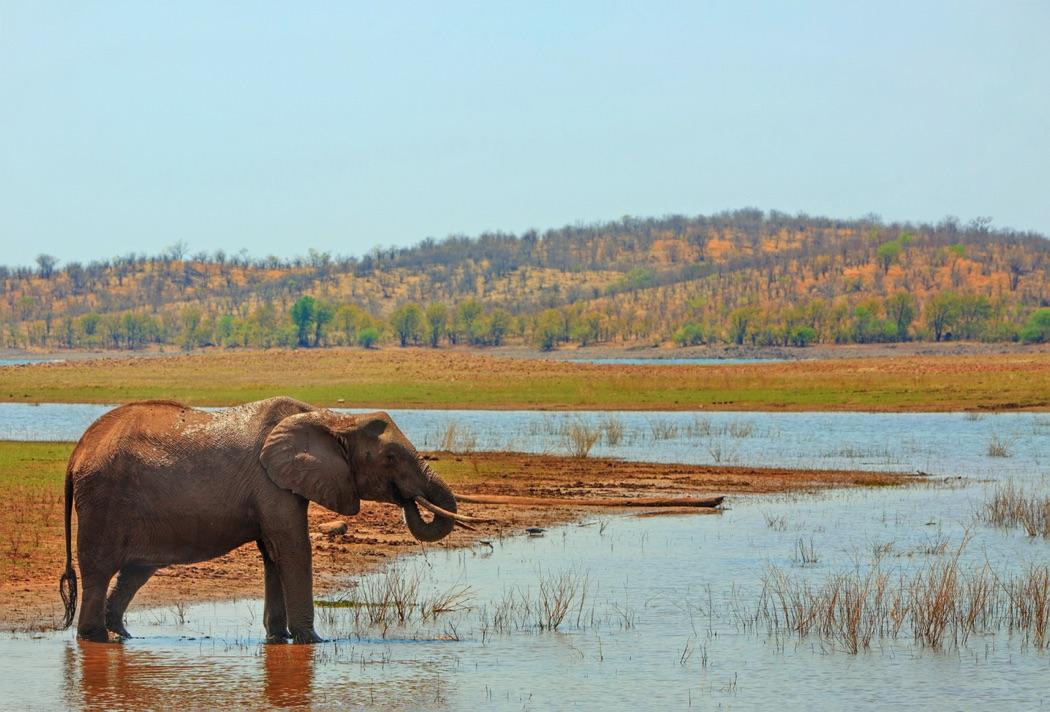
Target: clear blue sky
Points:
(283, 126)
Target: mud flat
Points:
(32, 475)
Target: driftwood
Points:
(709, 502)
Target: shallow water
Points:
(663, 625)
(669, 616)
(24, 361)
(936, 443)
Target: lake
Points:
(665, 613)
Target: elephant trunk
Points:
(439, 494)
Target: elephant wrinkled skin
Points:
(157, 483)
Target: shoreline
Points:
(441, 379)
(377, 535)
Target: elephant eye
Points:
(390, 458)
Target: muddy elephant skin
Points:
(158, 483)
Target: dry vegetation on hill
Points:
(743, 277)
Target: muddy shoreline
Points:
(377, 534)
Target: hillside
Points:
(743, 277)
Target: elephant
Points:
(157, 483)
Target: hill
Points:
(744, 277)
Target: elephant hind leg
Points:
(130, 579)
(91, 624)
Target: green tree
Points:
(550, 327)
(690, 334)
(941, 312)
(499, 325)
(888, 253)
(1037, 328)
(368, 337)
(467, 312)
(900, 311)
(407, 322)
(323, 313)
(740, 323)
(437, 318)
(303, 316)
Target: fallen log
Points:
(709, 502)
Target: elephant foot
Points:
(121, 632)
(306, 637)
(93, 635)
(282, 636)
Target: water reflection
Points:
(125, 677)
(289, 671)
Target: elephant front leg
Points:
(292, 557)
(275, 616)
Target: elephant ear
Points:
(303, 456)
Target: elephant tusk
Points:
(458, 518)
(465, 526)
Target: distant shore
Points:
(910, 379)
(603, 351)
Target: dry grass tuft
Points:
(1010, 506)
(939, 604)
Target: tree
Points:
(467, 313)
(323, 314)
(368, 337)
(690, 334)
(47, 264)
(407, 322)
(1037, 328)
(437, 318)
(499, 325)
(900, 311)
(303, 316)
(888, 253)
(740, 320)
(941, 313)
(549, 328)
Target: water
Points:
(664, 624)
(729, 361)
(935, 443)
(24, 361)
(660, 627)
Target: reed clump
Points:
(1011, 506)
(938, 605)
(581, 438)
(458, 438)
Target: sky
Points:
(277, 127)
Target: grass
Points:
(449, 379)
(580, 438)
(31, 534)
(997, 447)
(1010, 506)
(939, 604)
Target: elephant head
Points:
(338, 460)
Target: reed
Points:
(580, 438)
(1010, 506)
(940, 604)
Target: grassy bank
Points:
(423, 378)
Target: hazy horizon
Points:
(127, 128)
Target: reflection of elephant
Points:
(123, 677)
(157, 483)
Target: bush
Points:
(689, 335)
(1037, 328)
(368, 337)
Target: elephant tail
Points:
(67, 585)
